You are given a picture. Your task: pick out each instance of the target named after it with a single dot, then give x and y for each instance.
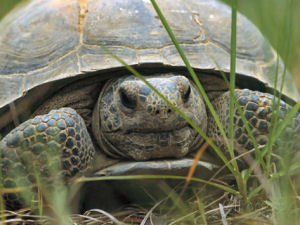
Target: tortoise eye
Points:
(127, 100)
(186, 95)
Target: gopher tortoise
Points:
(63, 97)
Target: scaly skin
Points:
(257, 108)
(43, 148)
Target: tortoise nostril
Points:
(186, 94)
(127, 100)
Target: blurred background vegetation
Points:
(278, 20)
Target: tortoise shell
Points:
(44, 43)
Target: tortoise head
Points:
(131, 121)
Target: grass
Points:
(274, 193)
(240, 179)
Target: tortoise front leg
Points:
(257, 108)
(41, 149)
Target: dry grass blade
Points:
(196, 159)
(101, 212)
(223, 216)
(182, 218)
(148, 215)
(257, 217)
(23, 216)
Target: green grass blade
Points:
(255, 192)
(274, 118)
(232, 77)
(142, 177)
(2, 204)
(287, 120)
(241, 112)
(284, 45)
(191, 71)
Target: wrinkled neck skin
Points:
(132, 121)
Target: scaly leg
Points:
(41, 149)
(257, 108)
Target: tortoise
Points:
(65, 98)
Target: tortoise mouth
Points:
(148, 130)
(158, 132)
(154, 131)
(145, 145)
